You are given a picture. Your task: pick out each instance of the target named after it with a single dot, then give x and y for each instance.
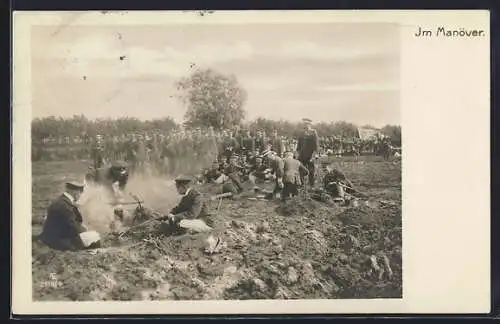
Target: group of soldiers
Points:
(247, 160)
(163, 151)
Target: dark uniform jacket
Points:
(63, 225)
(191, 206)
(307, 145)
(292, 171)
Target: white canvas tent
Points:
(366, 134)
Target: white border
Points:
(445, 92)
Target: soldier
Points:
(277, 168)
(193, 205)
(306, 148)
(292, 170)
(114, 178)
(213, 173)
(259, 172)
(97, 152)
(231, 145)
(277, 144)
(260, 141)
(232, 171)
(247, 143)
(63, 229)
(335, 183)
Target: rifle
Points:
(360, 194)
(127, 203)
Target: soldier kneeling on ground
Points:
(193, 205)
(63, 229)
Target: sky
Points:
(325, 71)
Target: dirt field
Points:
(302, 250)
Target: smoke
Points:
(152, 183)
(94, 204)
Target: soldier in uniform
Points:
(277, 144)
(260, 141)
(63, 229)
(98, 152)
(114, 178)
(292, 170)
(307, 146)
(335, 183)
(259, 172)
(277, 168)
(247, 143)
(232, 171)
(213, 173)
(193, 205)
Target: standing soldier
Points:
(307, 146)
(231, 145)
(98, 152)
(277, 144)
(260, 142)
(247, 143)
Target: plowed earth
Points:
(303, 249)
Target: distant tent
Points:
(368, 133)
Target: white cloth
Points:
(90, 237)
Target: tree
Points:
(212, 99)
(394, 132)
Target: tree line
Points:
(212, 99)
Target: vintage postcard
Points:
(251, 162)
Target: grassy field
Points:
(303, 249)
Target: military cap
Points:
(306, 120)
(182, 180)
(75, 185)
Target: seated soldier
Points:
(335, 183)
(213, 173)
(259, 172)
(246, 167)
(232, 171)
(192, 206)
(63, 229)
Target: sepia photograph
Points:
(262, 160)
(213, 162)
